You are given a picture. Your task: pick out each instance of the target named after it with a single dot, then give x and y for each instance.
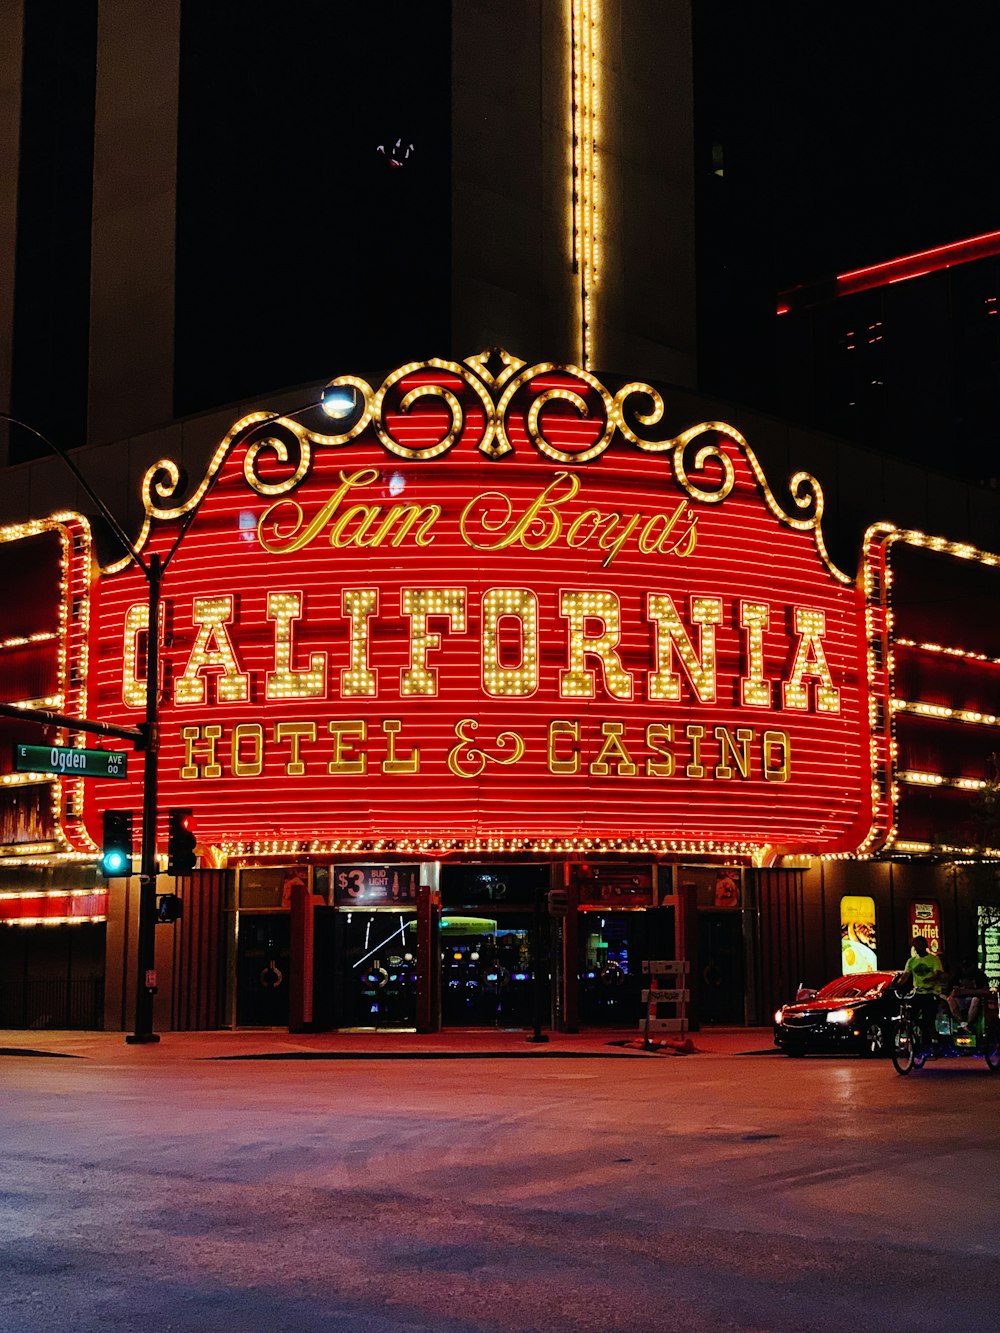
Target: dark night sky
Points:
(866, 130)
(850, 135)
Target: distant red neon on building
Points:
(891, 271)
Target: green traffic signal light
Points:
(116, 850)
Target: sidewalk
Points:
(110, 1047)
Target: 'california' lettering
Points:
(585, 629)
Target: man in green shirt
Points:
(925, 974)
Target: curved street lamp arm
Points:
(105, 512)
(246, 433)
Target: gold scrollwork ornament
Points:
(441, 391)
(562, 394)
(279, 448)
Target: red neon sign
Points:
(498, 613)
(917, 265)
(54, 907)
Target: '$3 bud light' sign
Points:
(375, 885)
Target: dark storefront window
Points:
(52, 976)
(313, 192)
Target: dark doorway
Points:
(263, 966)
(719, 988)
(488, 944)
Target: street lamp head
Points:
(339, 401)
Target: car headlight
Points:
(840, 1015)
(778, 1014)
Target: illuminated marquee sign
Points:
(500, 611)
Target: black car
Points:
(856, 1013)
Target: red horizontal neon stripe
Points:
(62, 907)
(891, 271)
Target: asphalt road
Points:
(703, 1193)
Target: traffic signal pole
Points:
(45, 717)
(145, 986)
(147, 735)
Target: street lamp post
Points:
(146, 944)
(153, 570)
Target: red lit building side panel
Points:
(944, 817)
(27, 814)
(945, 684)
(46, 568)
(945, 748)
(24, 908)
(945, 595)
(29, 574)
(30, 670)
(508, 676)
(15, 732)
(945, 680)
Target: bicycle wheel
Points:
(991, 1048)
(904, 1049)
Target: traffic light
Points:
(180, 844)
(116, 849)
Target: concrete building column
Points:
(11, 35)
(135, 197)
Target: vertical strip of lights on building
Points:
(584, 26)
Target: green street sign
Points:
(69, 762)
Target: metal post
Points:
(146, 949)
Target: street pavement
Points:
(472, 1189)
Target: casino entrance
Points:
(613, 946)
(584, 930)
(494, 928)
(424, 945)
(375, 968)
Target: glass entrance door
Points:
(377, 977)
(613, 946)
(486, 976)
